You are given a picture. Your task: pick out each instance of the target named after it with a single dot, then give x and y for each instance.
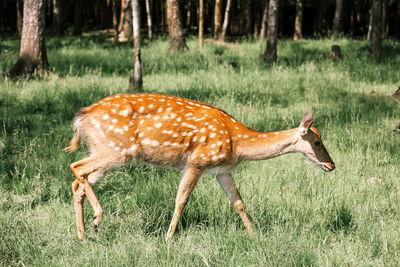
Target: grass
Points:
(302, 215)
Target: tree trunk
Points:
(226, 20)
(78, 17)
(270, 54)
(149, 25)
(370, 25)
(337, 20)
(115, 19)
(176, 38)
(264, 22)
(201, 23)
(58, 16)
(32, 55)
(20, 11)
(135, 81)
(298, 33)
(121, 17)
(217, 18)
(376, 33)
(385, 25)
(126, 31)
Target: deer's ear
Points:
(307, 117)
(306, 123)
(305, 126)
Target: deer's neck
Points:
(254, 145)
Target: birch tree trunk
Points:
(337, 20)
(264, 21)
(298, 25)
(176, 38)
(376, 32)
(270, 54)
(149, 24)
(136, 81)
(217, 18)
(226, 20)
(201, 23)
(32, 54)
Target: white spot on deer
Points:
(124, 113)
(126, 128)
(245, 136)
(189, 114)
(149, 128)
(141, 122)
(146, 141)
(174, 144)
(140, 100)
(221, 156)
(213, 145)
(141, 109)
(202, 139)
(228, 141)
(219, 143)
(114, 120)
(190, 133)
(102, 133)
(178, 119)
(169, 109)
(111, 127)
(161, 99)
(111, 144)
(154, 143)
(156, 118)
(132, 148)
(141, 134)
(166, 143)
(117, 96)
(202, 130)
(106, 117)
(175, 135)
(132, 138)
(158, 125)
(151, 106)
(118, 130)
(113, 110)
(117, 148)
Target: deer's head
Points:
(310, 144)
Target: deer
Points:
(179, 133)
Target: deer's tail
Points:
(74, 143)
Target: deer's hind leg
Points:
(88, 171)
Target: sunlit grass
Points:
(302, 215)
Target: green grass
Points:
(302, 215)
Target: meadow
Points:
(302, 215)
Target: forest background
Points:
(302, 215)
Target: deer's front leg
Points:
(189, 180)
(227, 183)
(79, 196)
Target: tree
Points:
(149, 25)
(264, 21)
(337, 19)
(298, 34)
(32, 54)
(135, 81)
(376, 32)
(217, 18)
(201, 23)
(226, 20)
(270, 54)
(125, 28)
(176, 38)
(58, 10)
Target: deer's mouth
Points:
(328, 167)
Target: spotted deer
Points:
(180, 133)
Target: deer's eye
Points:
(317, 143)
